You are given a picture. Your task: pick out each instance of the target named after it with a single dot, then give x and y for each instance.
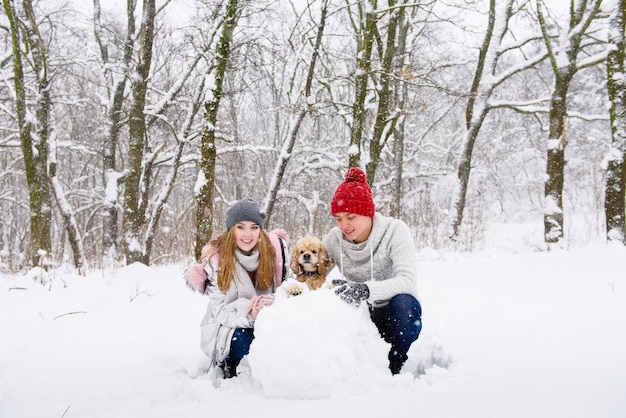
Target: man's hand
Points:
(351, 292)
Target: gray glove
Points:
(351, 292)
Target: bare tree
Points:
(387, 113)
(116, 79)
(564, 50)
(615, 206)
(400, 97)
(305, 106)
(204, 198)
(380, 39)
(33, 139)
(160, 123)
(136, 184)
(38, 144)
(365, 29)
(67, 212)
(487, 77)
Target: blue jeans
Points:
(399, 323)
(240, 345)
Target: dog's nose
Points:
(306, 257)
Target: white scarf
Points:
(248, 262)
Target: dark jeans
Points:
(399, 323)
(240, 345)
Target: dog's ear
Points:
(295, 266)
(325, 263)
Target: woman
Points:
(376, 256)
(239, 270)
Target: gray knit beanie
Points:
(244, 210)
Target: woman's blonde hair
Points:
(224, 245)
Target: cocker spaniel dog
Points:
(310, 262)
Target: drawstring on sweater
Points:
(371, 262)
(341, 256)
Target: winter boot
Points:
(229, 368)
(396, 361)
(395, 367)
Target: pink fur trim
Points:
(274, 236)
(196, 277)
(281, 233)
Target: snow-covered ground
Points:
(504, 335)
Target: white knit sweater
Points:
(386, 262)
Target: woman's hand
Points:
(258, 303)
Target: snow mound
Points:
(325, 347)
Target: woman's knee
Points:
(240, 343)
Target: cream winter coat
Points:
(229, 310)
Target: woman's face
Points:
(355, 227)
(247, 236)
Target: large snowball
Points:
(315, 345)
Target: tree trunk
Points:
(71, 227)
(137, 183)
(476, 111)
(115, 89)
(563, 60)
(364, 54)
(384, 123)
(465, 165)
(401, 94)
(615, 205)
(44, 106)
(553, 212)
(34, 150)
(204, 199)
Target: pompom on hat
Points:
(244, 210)
(354, 195)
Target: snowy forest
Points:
(128, 127)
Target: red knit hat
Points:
(353, 195)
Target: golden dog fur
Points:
(310, 262)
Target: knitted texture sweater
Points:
(386, 262)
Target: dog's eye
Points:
(301, 251)
(314, 251)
